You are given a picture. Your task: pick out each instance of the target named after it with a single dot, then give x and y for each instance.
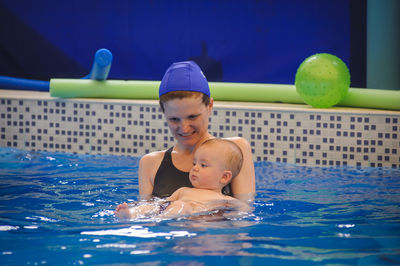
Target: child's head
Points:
(215, 163)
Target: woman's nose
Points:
(185, 126)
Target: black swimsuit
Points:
(168, 179)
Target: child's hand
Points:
(122, 211)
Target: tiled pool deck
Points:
(277, 132)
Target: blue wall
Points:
(235, 41)
(383, 44)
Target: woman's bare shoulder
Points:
(152, 157)
(237, 139)
(151, 162)
(241, 142)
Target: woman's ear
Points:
(226, 177)
(210, 105)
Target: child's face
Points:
(208, 168)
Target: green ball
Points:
(322, 80)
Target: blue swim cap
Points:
(184, 76)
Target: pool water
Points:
(58, 209)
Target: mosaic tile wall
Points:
(133, 128)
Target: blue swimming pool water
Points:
(57, 209)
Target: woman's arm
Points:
(176, 195)
(148, 167)
(244, 184)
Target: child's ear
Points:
(226, 177)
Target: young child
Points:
(216, 162)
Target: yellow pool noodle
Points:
(220, 91)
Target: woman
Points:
(186, 103)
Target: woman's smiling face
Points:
(187, 119)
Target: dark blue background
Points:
(235, 41)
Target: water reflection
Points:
(213, 245)
(138, 231)
(66, 202)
